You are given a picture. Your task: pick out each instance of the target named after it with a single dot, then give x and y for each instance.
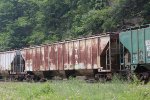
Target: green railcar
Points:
(136, 42)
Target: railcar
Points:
(92, 56)
(11, 64)
(135, 54)
(97, 56)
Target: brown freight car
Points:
(91, 56)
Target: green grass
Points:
(73, 90)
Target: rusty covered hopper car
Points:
(85, 56)
(90, 56)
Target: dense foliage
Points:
(32, 22)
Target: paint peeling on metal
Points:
(60, 56)
(76, 54)
(46, 57)
(79, 54)
(94, 52)
(71, 56)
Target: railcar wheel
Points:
(29, 78)
(12, 78)
(144, 77)
(101, 78)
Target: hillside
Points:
(33, 22)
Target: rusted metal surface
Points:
(76, 54)
(46, 53)
(94, 52)
(60, 56)
(66, 58)
(88, 53)
(103, 42)
(69, 55)
(28, 57)
(53, 57)
(103, 46)
(38, 59)
(82, 58)
(34, 59)
(28, 60)
(42, 65)
(66, 54)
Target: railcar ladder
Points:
(111, 53)
(122, 58)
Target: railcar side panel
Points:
(39, 60)
(2, 63)
(94, 53)
(49, 57)
(42, 65)
(66, 56)
(53, 57)
(7, 62)
(6, 59)
(31, 68)
(88, 53)
(26, 58)
(82, 59)
(147, 45)
(76, 54)
(141, 46)
(60, 56)
(56, 56)
(103, 46)
(34, 59)
(70, 56)
(98, 51)
(103, 42)
(46, 55)
(134, 42)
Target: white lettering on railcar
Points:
(148, 54)
(147, 42)
(148, 48)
